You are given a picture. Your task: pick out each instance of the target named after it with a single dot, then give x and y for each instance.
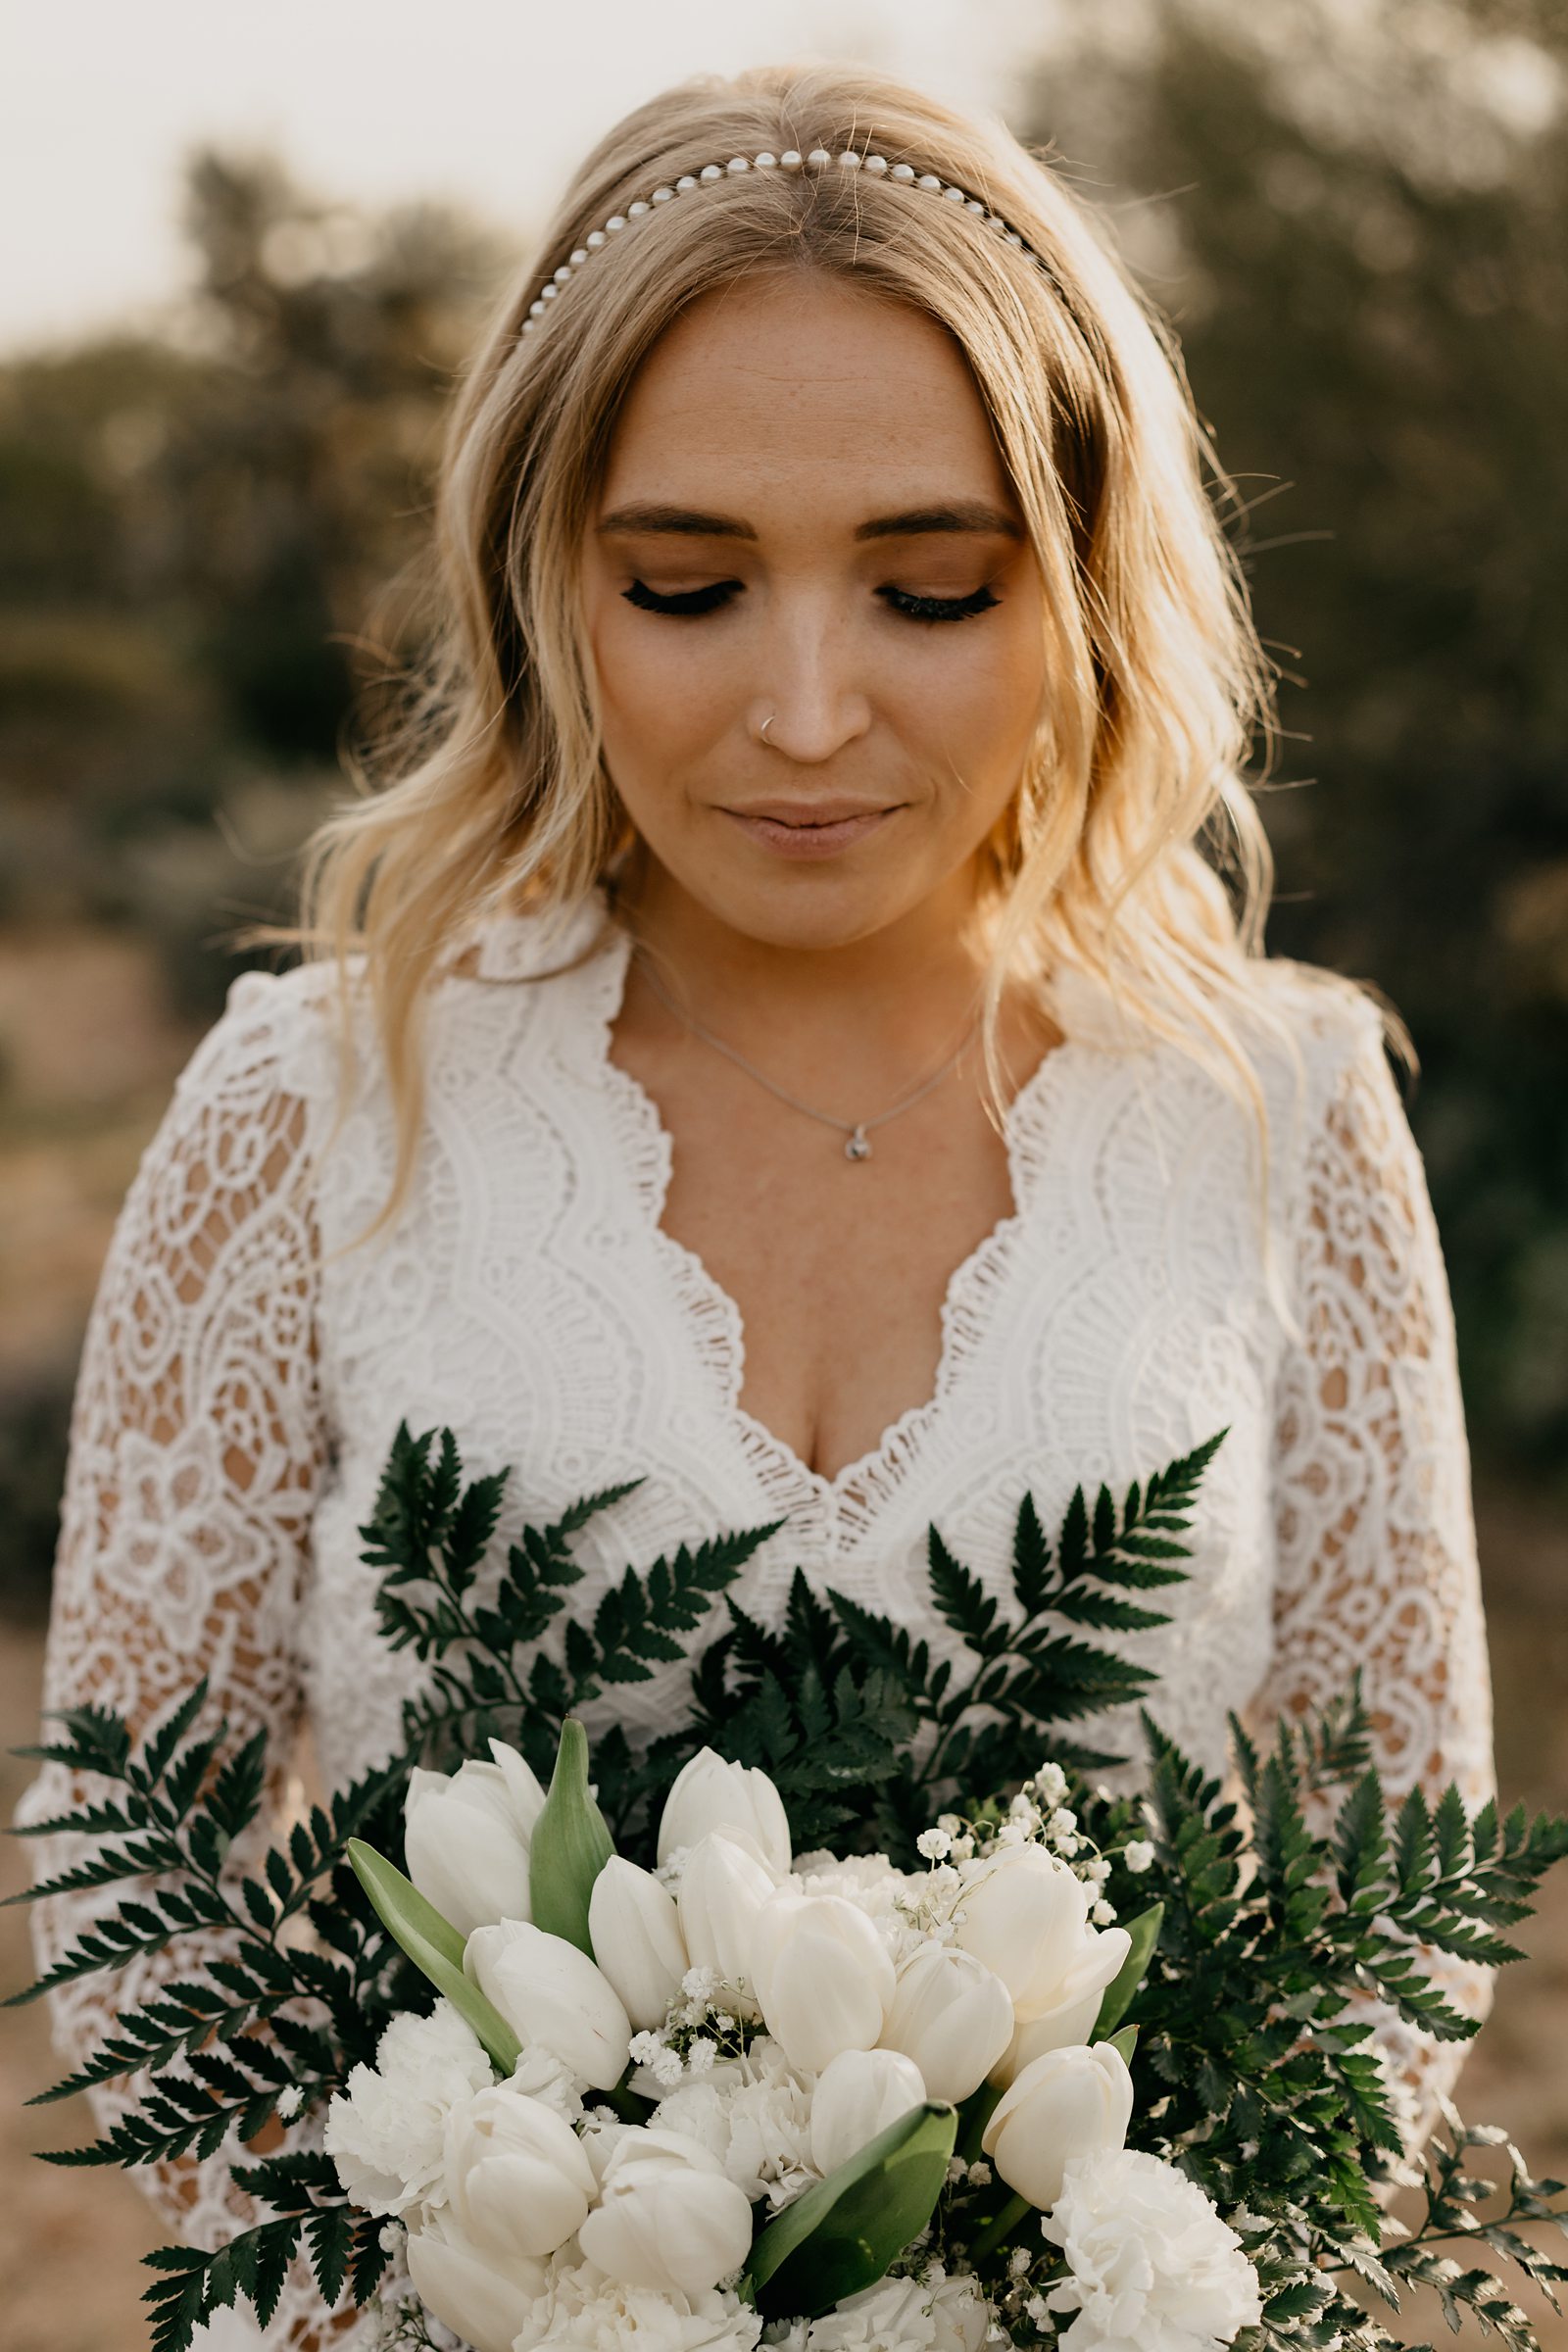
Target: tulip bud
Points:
(708, 1793)
(467, 1837)
(668, 2216)
(1069, 2019)
(635, 1931)
(517, 2176)
(549, 1991)
(1065, 2103)
(485, 2303)
(952, 2016)
(722, 1887)
(857, 2095)
(822, 1974)
(1026, 1915)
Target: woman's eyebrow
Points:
(959, 514)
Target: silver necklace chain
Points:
(857, 1144)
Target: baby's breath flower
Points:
(980, 2174)
(1051, 1784)
(701, 2054)
(1019, 2260)
(390, 2237)
(1062, 1822)
(1138, 1854)
(1038, 2311)
(933, 1844)
(962, 1848)
(700, 1984)
(1098, 1869)
(1104, 1914)
(667, 2067)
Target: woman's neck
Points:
(895, 998)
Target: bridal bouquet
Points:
(855, 2013)
(809, 2039)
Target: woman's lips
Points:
(809, 832)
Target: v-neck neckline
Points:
(711, 1315)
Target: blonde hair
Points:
(1131, 827)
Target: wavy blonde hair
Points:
(1132, 843)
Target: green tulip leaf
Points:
(842, 2234)
(570, 1846)
(434, 1945)
(1126, 2041)
(1144, 1934)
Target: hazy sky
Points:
(486, 100)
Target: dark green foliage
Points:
(1250, 2070)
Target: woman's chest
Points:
(533, 1301)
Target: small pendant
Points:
(859, 1146)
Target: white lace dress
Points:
(239, 1389)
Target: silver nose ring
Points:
(766, 723)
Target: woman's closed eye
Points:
(690, 602)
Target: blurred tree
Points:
(1358, 221)
(192, 535)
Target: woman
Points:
(787, 1042)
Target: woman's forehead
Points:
(766, 388)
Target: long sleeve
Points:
(196, 1450)
(1375, 1534)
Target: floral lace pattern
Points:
(240, 1386)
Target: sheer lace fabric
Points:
(240, 1385)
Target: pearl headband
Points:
(818, 159)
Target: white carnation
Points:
(385, 2136)
(870, 1881)
(755, 2115)
(933, 2314)
(542, 2075)
(1154, 2267)
(582, 2307)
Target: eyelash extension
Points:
(694, 601)
(691, 600)
(940, 608)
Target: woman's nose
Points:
(807, 684)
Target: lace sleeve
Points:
(196, 1449)
(1375, 1534)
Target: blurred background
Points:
(247, 250)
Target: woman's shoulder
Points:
(269, 1037)
(1330, 1018)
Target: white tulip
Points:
(952, 2015)
(1067, 2103)
(722, 1887)
(1026, 1915)
(634, 1927)
(822, 1974)
(711, 1793)
(668, 2215)
(1069, 2019)
(484, 2304)
(467, 1836)
(517, 2176)
(857, 2095)
(550, 1991)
